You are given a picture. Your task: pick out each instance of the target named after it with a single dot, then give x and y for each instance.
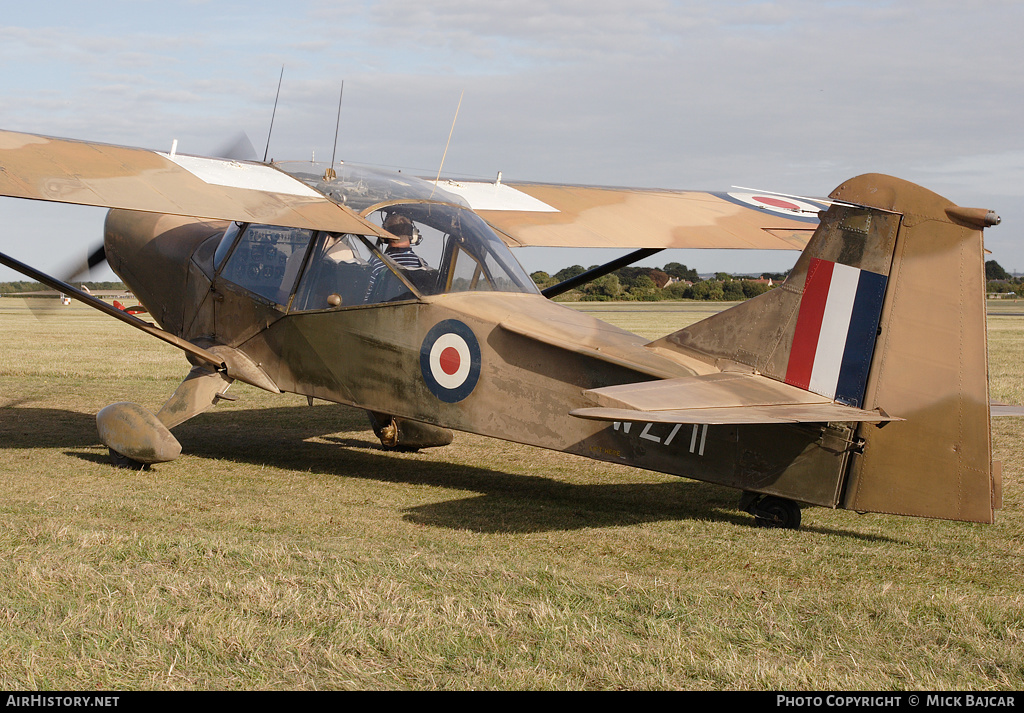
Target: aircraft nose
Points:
(151, 253)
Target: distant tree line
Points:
(674, 281)
(7, 288)
(999, 281)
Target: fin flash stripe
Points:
(835, 331)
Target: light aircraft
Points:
(860, 382)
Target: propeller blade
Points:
(239, 149)
(72, 271)
(76, 270)
(96, 257)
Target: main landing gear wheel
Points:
(123, 461)
(772, 511)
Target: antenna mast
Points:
(329, 173)
(450, 132)
(276, 97)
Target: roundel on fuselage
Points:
(450, 360)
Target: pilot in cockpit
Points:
(400, 250)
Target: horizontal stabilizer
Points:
(739, 415)
(998, 409)
(725, 398)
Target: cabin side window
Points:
(433, 249)
(456, 250)
(338, 274)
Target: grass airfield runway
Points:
(285, 550)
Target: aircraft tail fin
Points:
(885, 309)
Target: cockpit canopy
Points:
(361, 187)
(443, 248)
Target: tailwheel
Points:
(772, 511)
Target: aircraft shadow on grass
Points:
(508, 502)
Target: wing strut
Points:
(53, 283)
(597, 272)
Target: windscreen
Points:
(267, 260)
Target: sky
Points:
(793, 97)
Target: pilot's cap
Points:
(398, 225)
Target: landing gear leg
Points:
(772, 511)
(136, 436)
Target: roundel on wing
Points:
(450, 360)
(791, 207)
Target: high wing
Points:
(723, 398)
(85, 173)
(547, 215)
(523, 214)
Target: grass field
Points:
(284, 550)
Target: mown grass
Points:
(284, 550)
